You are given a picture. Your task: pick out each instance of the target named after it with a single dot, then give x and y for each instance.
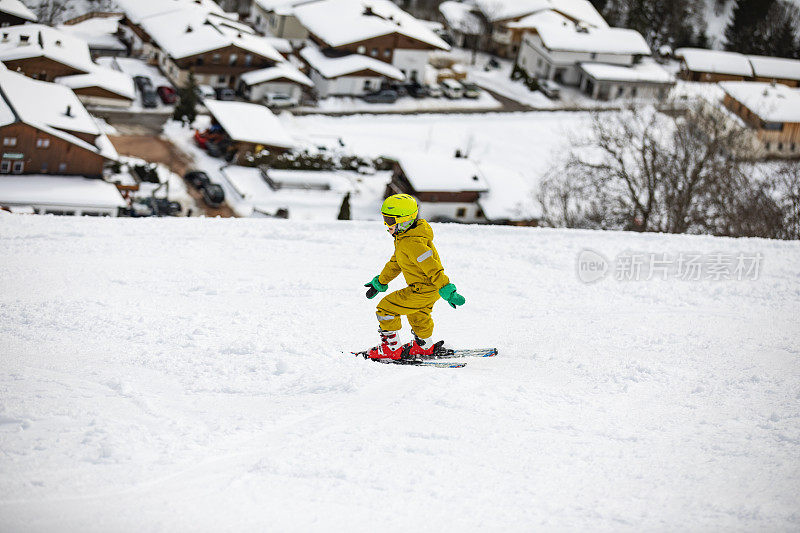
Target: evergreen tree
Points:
(344, 211)
(744, 32)
(185, 110)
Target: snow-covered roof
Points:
(580, 11)
(459, 16)
(333, 67)
(644, 72)
(495, 10)
(281, 70)
(340, 22)
(770, 103)
(44, 106)
(188, 32)
(503, 200)
(18, 9)
(548, 17)
(138, 10)
(103, 78)
(597, 40)
(249, 123)
(67, 191)
(433, 173)
(715, 61)
(775, 67)
(284, 46)
(576, 10)
(98, 32)
(37, 40)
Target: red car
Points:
(167, 94)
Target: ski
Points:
(448, 353)
(438, 359)
(423, 362)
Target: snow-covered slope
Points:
(185, 375)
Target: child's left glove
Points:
(449, 294)
(375, 286)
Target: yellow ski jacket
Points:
(417, 258)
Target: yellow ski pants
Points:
(415, 302)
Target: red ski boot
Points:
(388, 349)
(421, 347)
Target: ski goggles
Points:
(390, 221)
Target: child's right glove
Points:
(375, 286)
(449, 294)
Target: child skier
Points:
(416, 257)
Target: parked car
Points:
(550, 88)
(205, 92)
(471, 90)
(452, 89)
(197, 179)
(168, 95)
(280, 100)
(225, 93)
(416, 90)
(142, 82)
(149, 97)
(385, 96)
(433, 90)
(213, 194)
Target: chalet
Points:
(446, 188)
(14, 12)
(647, 80)
(283, 78)
(46, 130)
(99, 31)
(183, 37)
(508, 20)
(776, 70)
(276, 18)
(698, 64)
(555, 52)
(376, 29)
(48, 54)
(772, 111)
(463, 23)
(336, 73)
(249, 128)
(60, 195)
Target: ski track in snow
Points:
(185, 374)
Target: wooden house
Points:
(14, 12)
(772, 111)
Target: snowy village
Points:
(195, 195)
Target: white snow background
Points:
(186, 375)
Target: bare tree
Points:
(49, 12)
(686, 173)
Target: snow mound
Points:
(186, 375)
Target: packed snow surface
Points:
(186, 375)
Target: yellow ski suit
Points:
(417, 258)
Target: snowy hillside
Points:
(185, 375)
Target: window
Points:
(461, 212)
(248, 60)
(768, 146)
(780, 147)
(44, 167)
(42, 143)
(593, 55)
(9, 141)
(215, 58)
(374, 52)
(793, 147)
(18, 167)
(62, 167)
(773, 126)
(221, 79)
(5, 167)
(361, 49)
(387, 53)
(232, 59)
(199, 61)
(367, 85)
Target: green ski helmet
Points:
(399, 213)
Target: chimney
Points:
(189, 29)
(368, 11)
(69, 111)
(5, 37)
(58, 43)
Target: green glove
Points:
(449, 294)
(375, 287)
